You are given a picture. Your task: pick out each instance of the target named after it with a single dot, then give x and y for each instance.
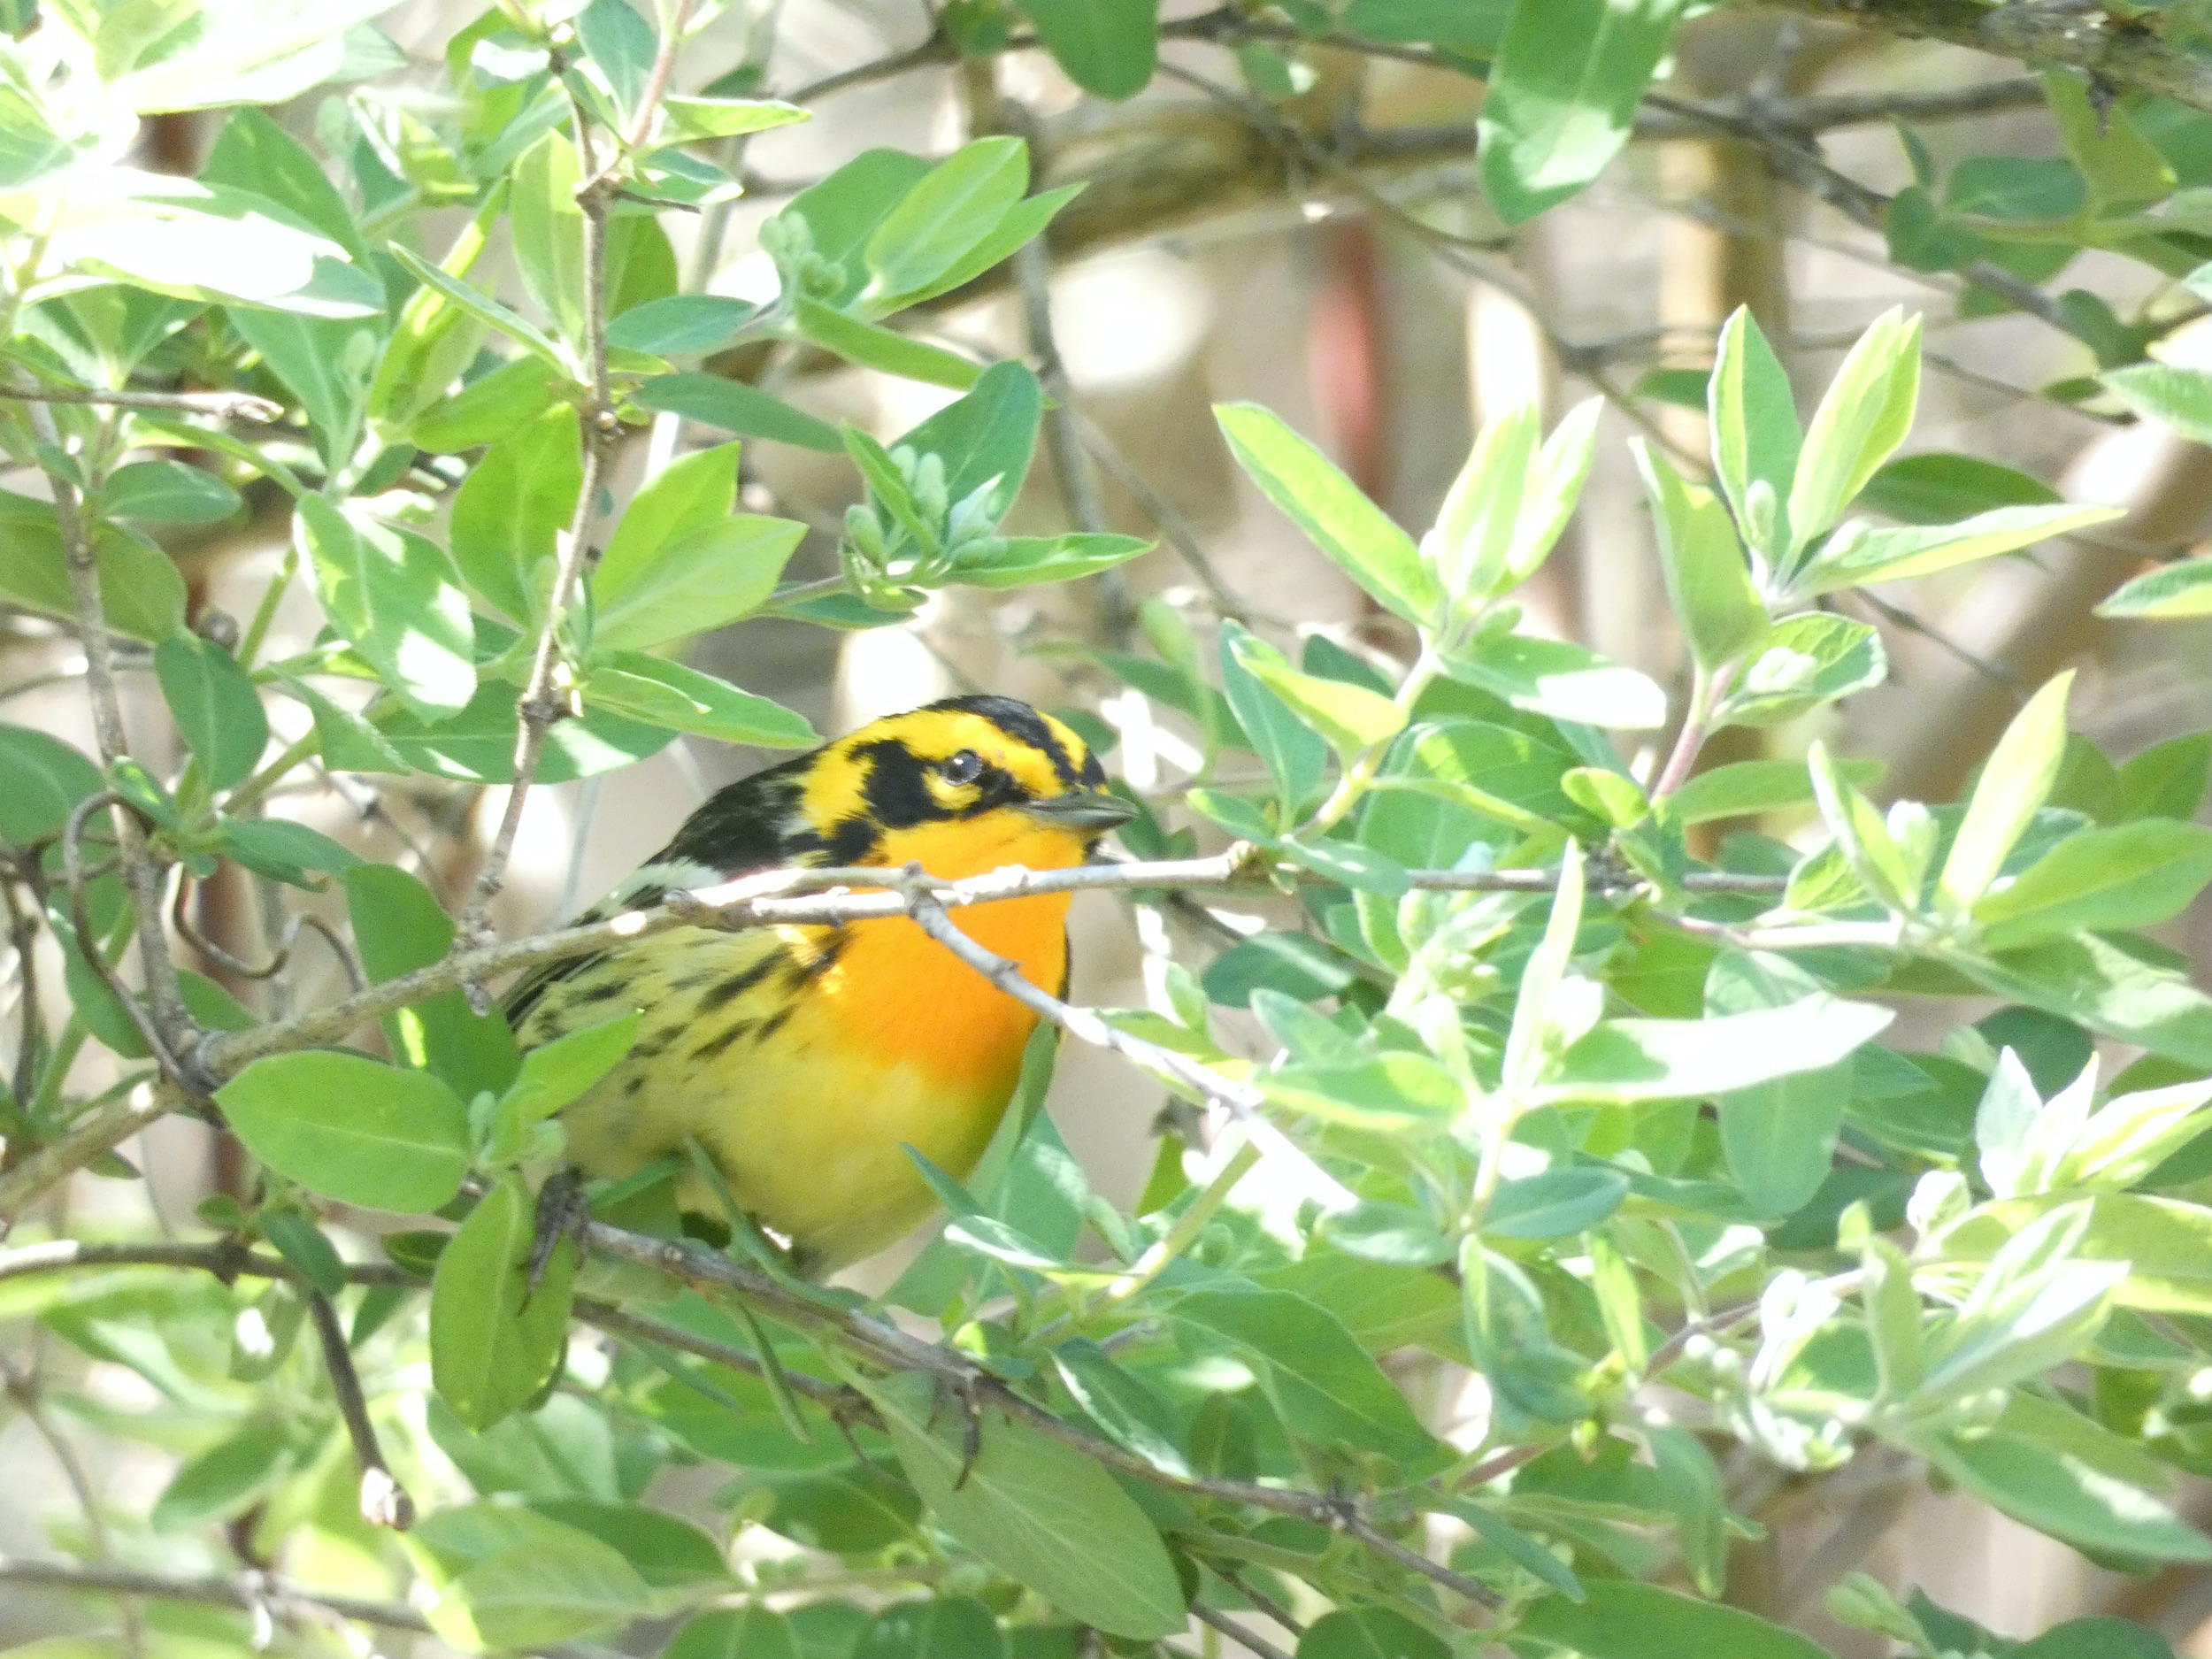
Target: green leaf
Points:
(283, 851)
(698, 582)
(1564, 91)
(140, 588)
(986, 438)
(2095, 1638)
(1856, 557)
(1325, 1387)
(226, 1478)
(1369, 1633)
(751, 1633)
(942, 1627)
(2165, 1244)
(2181, 397)
(512, 510)
(507, 1579)
(350, 1129)
(392, 595)
(1121, 1403)
(348, 742)
(1622, 1061)
(1040, 1512)
(946, 212)
(215, 706)
(1108, 48)
(883, 349)
(1553, 1203)
(714, 400)
(487, 410)
(216, 243)
(1622, 1620)
(545, 224)
(46, 778)
(1294, 965)
(2180, 589)
(841, 212)
(668, 1551)
(398, 927)
(478, 744)
(1393, 1091)
(168, 492)
(1708, 581)
(492, 1341)
(1937, 488)
(1020, 561)
(1561, 680)
(2055, 1492)
(2094, 983)
(303, 1244)
(485, 309)
(1328, 507)
(1753, 413)
(1800, 664)
(1749, 788)
(1293, 753)
(2167, 780)
(667, 694)
(694, 120)
(682, 325)
(1779, 1136)
(1020, 224)
(1863, 415)
(557, 1072)
(690, 493)
(2132, 875)
(234, 51)
(2014, 785)
(1351, 718)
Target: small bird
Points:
(803, 1059)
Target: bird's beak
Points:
(1092, 810)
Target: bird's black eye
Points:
(965, 767)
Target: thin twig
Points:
(383, 1501)
(150, 1029)
(1235, 1633)
(286, 1599)
(140, 875)
(220, 405)
(772, 899)
(24, 1392)
(779, 898)
(871, 1340)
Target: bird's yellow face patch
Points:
(980, 767)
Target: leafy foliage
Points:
(1553, 1086)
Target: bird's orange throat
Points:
(896, 995)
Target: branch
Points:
(140, 875)
(220, 405)
(263, 1593)
(775, 898)
(2119, 53)
(383, 1501)
(872, 1340)
(102, 1130)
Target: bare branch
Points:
(2115, 51)
(101, 1130)
(285, 1600)
(140, 875)
(383, 1501)
(219, 405)
(870, 1340)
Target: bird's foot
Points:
(563, 1213)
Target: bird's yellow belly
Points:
(805, 1087)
